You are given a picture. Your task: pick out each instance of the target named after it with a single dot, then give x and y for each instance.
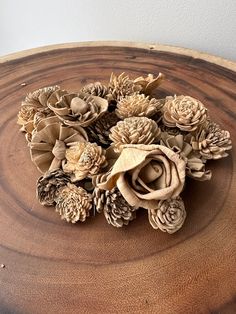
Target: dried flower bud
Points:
(211, 141)
(184, 112)
(95, 89)
(135, 130)
(49, 184)
(73, 203)
(84, 159)
(149, 84)
(138, 106)
(169, 216)
(115, 208)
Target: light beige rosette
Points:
(49, 143)
(77, 109)
(145, 174)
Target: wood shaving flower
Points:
(73, 203)
(195, 166)
(211, 141)
(184, 112)
(121, 86)
(145, 174)
(135, 130)
(49, 143)
(77, 109)
(169, 216)
(95, 89)
(138, 106)
(150, 83)
(48, 186)
(115, 208)
(84, 160)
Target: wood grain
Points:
(54, 267)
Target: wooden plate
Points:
(55, 267)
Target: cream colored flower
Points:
(169, 216)
(95, 89)
(135, 130)
(73, 203)
(184, 112)
(145, 174)
(150, 83)
(84, 160)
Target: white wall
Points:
(205, 25)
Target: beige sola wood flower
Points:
(150, 83)
(169, 216)
(84, 160)
(195, 165)
(48, 186)
(135, 130)
(95, 89)
(211, 141)
(33, 107)
(49, 143)
(184, 112)
(145, 174)
(121, 86)
(73, 203)
(77, 109)
(138, 106)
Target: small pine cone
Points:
(169, 216)
(115, 208)
(211, 141)
(73, 203)
(99, 131)
(84, 160)
(48, 186)
(184, 112)
(121, 86)
(95, 89)
(135, 130)
(138, 106)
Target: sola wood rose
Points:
(114, 148)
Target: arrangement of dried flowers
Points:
(114, 148)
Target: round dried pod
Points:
(211, 141)
(84, 160)
(78, 109)
(121, 86)
(169, 216)
(115, 208)
(95, 89)
(138, 106)
(49, 142)
(49, 184)
(99, 131)
(195, 165)
(184, 112)
(73, 203)
(149, 83)
(135, 130)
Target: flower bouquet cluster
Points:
(115, 148)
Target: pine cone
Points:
(115, 208)
(48, 186)
(95, 89)
(184, 112)
(121, 86)
(99, 131)
(138, 106)
(73, 203)
(84, 159)
(212, 142)
(169, 216)
(135, 130)
(149, 84)
(77, 109)
(195, 166)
